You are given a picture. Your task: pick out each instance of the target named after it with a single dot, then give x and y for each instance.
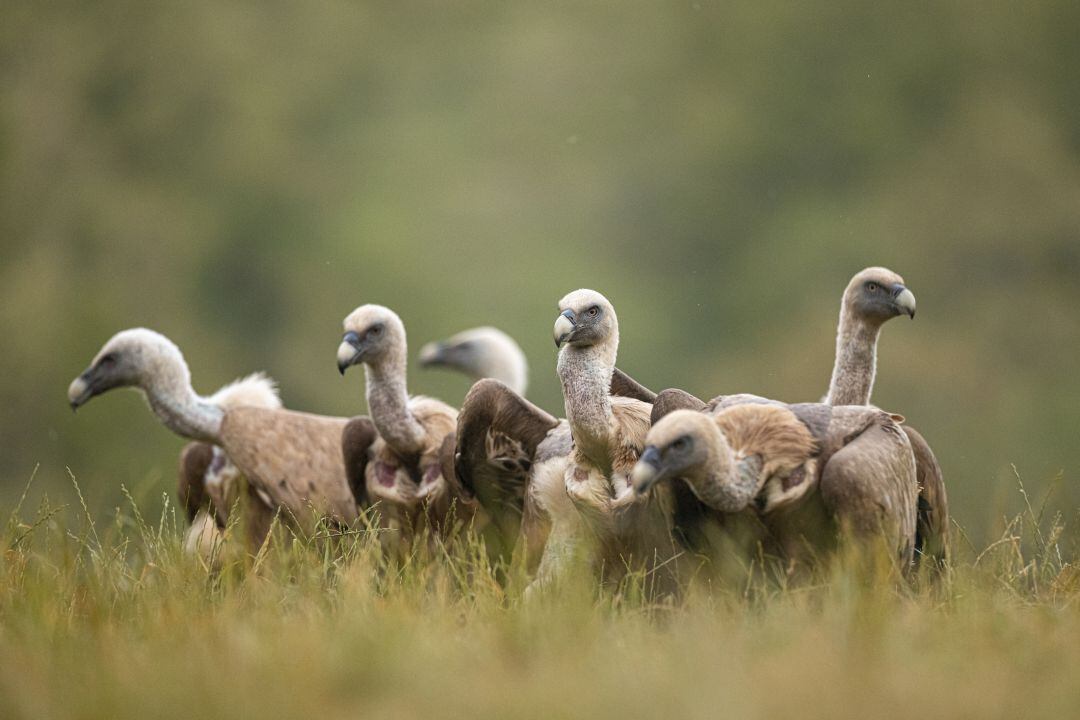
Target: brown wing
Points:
(626, 386)
(498, 435)
(195, 460)
(932, 528)
(674, 399)
(293, 459)
(356, 441)
(868, 485)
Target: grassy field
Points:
(114, 620)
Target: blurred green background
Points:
(240, 175)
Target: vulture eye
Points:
(594, 311)
(107, 360)
(871, 287)
(375, 331)
(681, 444)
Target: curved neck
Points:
(586, 379)
(856, 361)
(388, 403)
(722, 481)
(180, 409)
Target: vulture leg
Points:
(673, 399)
(626, 386)
(932, 529)
(869, 487)
(498, 435)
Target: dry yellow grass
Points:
(115, 621)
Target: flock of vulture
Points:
(629, 480)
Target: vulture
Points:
(566, 483)
(483, 352)
(805, 470)
(406, 464)
(874, 296)
(209, 482)
(293, 460)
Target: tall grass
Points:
(113, 619)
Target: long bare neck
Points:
(586, 379)
(723, 482)
(179, 407)
(388, 403)
(856, 361)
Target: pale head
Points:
(678, 444)
(373, 335)
(586, 318)
(877, 294)
(483, 352)
(132, 358)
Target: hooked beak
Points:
(565, 325)
(434, 353)
(80, 390)
(905, 300)
(348, 352)
(648, 471)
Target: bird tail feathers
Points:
(255, 390)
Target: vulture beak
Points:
(648, 470)
(348, 352)
(80, 390)
(905, 300)
(565, 325)
(434, 353)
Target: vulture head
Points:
(483, 352)
(373, 335)
(689, 445)
(586, 318)
(131, 358)
(878, 294)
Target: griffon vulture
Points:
(807, 470)
(293, 460)
(874, 296)
(408, 465)
(570, 477)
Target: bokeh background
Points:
(240, 175)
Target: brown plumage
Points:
(210, 484)
(874, 296)
(501, 439)
(806, 480)
(195, 459)
(292, 460)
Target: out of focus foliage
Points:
(240, 175)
